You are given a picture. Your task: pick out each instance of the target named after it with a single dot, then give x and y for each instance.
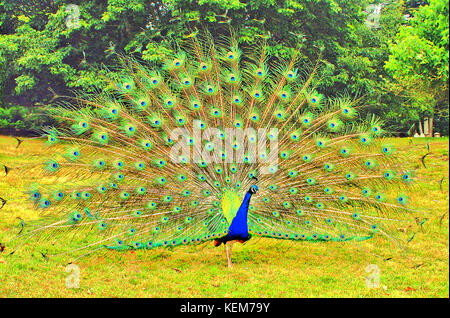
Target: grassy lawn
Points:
(262, 267)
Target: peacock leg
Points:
(228, 251)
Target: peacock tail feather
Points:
(164, 155)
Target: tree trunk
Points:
(431, 127)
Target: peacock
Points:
(213, 142)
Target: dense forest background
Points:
(394, 53)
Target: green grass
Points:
(262, 267)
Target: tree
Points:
(418, 60)
(40, 50)
(41, 47)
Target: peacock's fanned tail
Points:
(164, 155)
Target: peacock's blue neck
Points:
(239, 227)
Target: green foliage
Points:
(46, 46)
(419, 58)
(21, 118)
(12, 117)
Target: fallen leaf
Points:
(409, 289)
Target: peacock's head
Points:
(253, 189)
